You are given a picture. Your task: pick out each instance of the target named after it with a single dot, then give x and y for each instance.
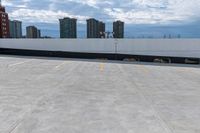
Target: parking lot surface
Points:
(52, 95)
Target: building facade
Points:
(38, 33)
(95, 28)
(4, 23)
(102, 28)
(68, 28)
(32, 32)
(118, 29)
(15, 27)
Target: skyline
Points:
(156, 22)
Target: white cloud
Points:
(156, 11)
(45, 16)
(130, 11)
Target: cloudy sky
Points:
(152, 18)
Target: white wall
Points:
(70, 45)
(155, 47)
(160, 47)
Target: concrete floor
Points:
(89, 96)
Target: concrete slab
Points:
(50, 95)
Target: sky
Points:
(143, 18)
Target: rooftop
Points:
(51, 95)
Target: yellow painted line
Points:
(60, 65)
(184, 70)
(19, 63)
(144, 69)
(101, 67)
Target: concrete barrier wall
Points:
(152, 47)
(66, 45)
(161, 47)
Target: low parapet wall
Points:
(183, 48)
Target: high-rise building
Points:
(15, 27)
(92, 28)
(118, 29)
(4, 23)
(102, 28)
(32, 32)
(95, 28)
(38, 33)
(68, 28)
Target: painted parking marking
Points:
(60, 65)
(19, 63)
(101, 67)
(143, 69)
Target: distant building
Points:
(92, 28)
(4, 25)
(95, 28)
(15, 29)
(118, 29)
(46, 37)
(68, 28)
(38, 33)
(102, 28)
(32, 32)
